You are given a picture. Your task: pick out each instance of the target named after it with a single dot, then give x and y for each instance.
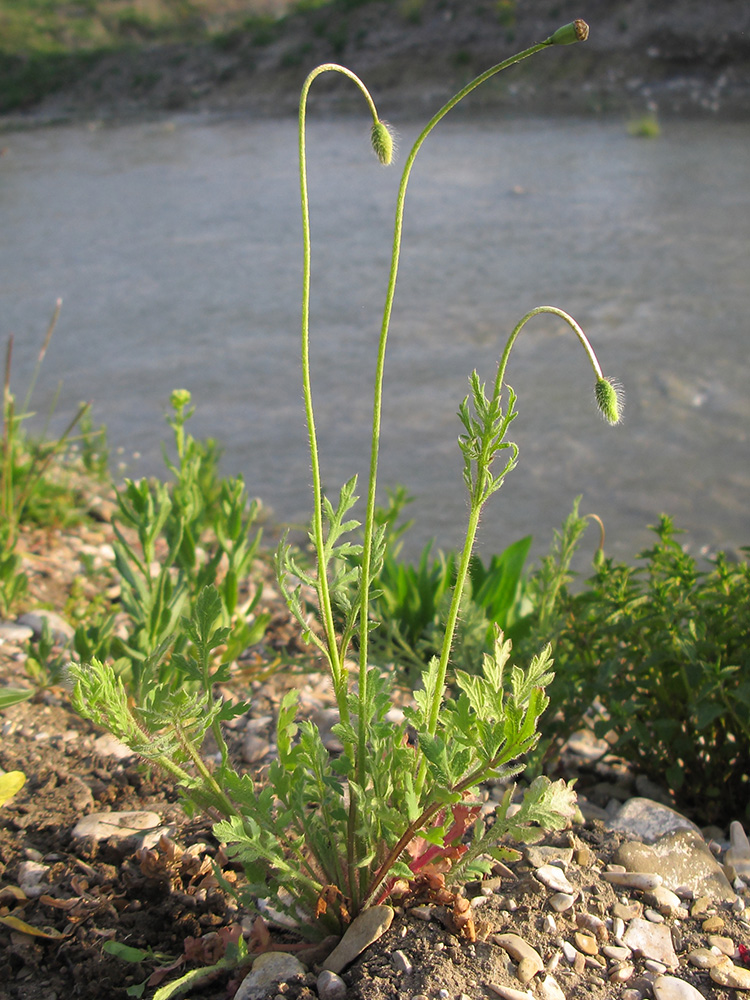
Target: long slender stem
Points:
(366, 570)
(337, 669)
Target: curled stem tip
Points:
(610, 398)
(383, 143)
(576, 31)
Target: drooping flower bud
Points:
(576, 31)
(381, 138)
(610, 398)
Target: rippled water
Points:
(176, 249)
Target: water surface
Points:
(176, 249)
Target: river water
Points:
(176, 249)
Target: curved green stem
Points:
(378, 389)
(593, 360)
(476, 504)
(334, 657)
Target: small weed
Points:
(645, 127)
(28, 490)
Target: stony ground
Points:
(69, 885)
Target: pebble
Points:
(538, 857)
(366, 928)
(30, 877)
(586, 944)
(618, 953)
(330, 986)
(508, 993)
(548, 988)
(702, 958)
(633, 880)
(107, 746)
(621, 973)
(569, 952)
(672, 988)
(654, 916)
(13, 632)
(651, 941)
(726, 973)
(562, 901)
(268, 970)
(593, 924)
(61, 630)
(121, 826)
(554, 878)
(526, 970)
(724, 944)
(664, 900)
(627, 911)
(519, 950)
(618, 928)
(401, 962)
(254, 748)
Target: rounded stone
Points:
(268, 969)
(725, 944)
(726, 973)
(554, 878)
(586, 944)
(703, 958)
(672, 988)
(366, 928)
(330, 986)
(561, 901)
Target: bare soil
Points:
(167, 899)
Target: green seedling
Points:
(322, 838)
(26, 489)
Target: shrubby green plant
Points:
(322, 838)
(173, 539)
(663, 648)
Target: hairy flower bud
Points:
(576, 31)
(610, 399)
(381, 138)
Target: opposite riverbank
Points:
(684, 59)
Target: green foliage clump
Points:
(173, 539)
(663, 650)
(36, 482)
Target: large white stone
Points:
(672, 988)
